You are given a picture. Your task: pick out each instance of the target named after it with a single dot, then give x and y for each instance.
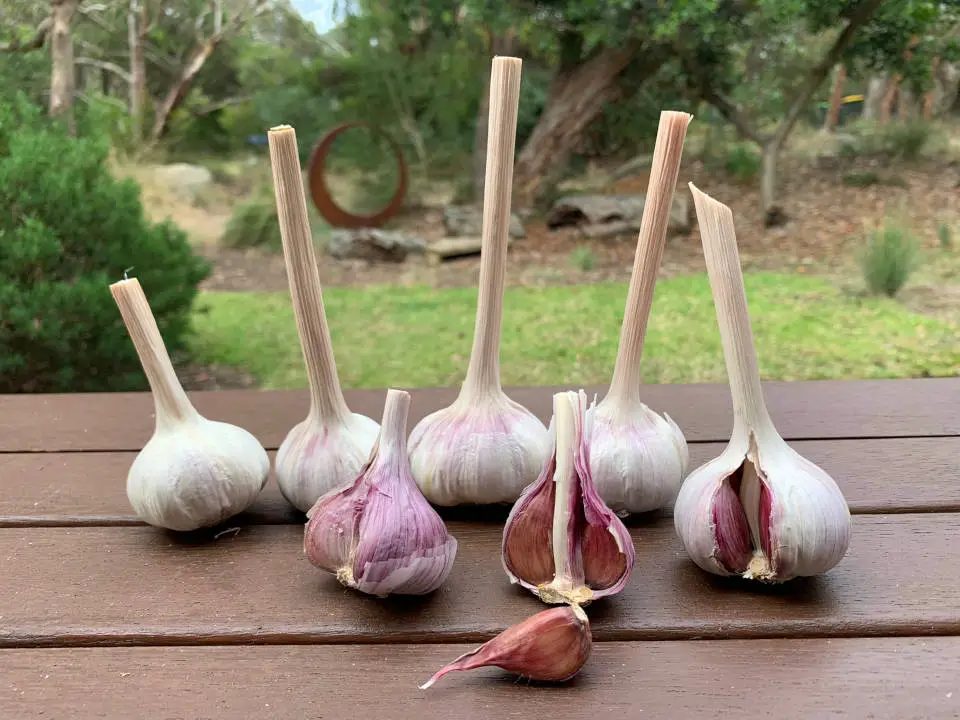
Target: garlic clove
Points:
(477, 452)
(318, 456)
(326, 451)
(485, 448)
(760, 509)
(193, 472)
(638, 458)
(551, 646)
(560, 540)
(380, 535)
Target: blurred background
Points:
(133, 135)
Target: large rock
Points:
(373, 245)
(625, 210)
(183, 179)
(467, 221)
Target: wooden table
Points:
(104, 617)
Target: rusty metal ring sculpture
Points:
(320, 192)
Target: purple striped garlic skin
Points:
(380, 535)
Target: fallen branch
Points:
(34, 43)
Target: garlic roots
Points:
(485, 448)
(759, 510)
(380, 535)
(327, 450)
(551, 646)
(193, 472)
(560, 540)
(637, 458)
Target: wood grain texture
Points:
(134, 585)
(801, 410)
(890, 475)
(895, 678)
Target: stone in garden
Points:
(626, 211)
(467, 221)
(373, 245)
(183, 179)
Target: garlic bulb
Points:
(759, 510)
(193, 472)
(560, 541)
(551, 646)
(485, 448)
(380, 535)
(637, 458)
(326, 451)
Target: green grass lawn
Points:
(415, 337)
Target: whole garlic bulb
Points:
(326, 451)
(637, 458)
(193, 472)
(380, 535)
(485, 448)
(759, 510)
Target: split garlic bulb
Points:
(638, 458)
(326, 451)
(759, 510)
(380, 535)
(561, 542)
(485, 448)
(193, 472)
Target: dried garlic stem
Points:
(393, 426)
(719, 240)
(326, 399)
(625, 385)
(170, 400)
(566, 494)
(483, 374)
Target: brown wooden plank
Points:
(802, 410)
(900, 678)
(132, 585)
(889, 475)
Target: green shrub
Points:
(743, 162)
(68, 229)
(945, 236)
(889, 258)
(583, 258)
(254, 224)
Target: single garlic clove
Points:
(318, 457)
(759, 510)
(326, 451)
(561, 541)
(550, 646)
(193, 472)
(380, 535)
(196, 474)
(638, 459)
(481, 452)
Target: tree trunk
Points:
(62, 72)
(873, 98)
(136, 31)
(500, 44)
(931, 95)
(773, 212)
(836, 99)
(178, 91)
(575, 99)
(889, 99)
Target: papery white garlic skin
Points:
(793, 520)
(481, 452)
(638, 459)
(196, 473)
(316, 458)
